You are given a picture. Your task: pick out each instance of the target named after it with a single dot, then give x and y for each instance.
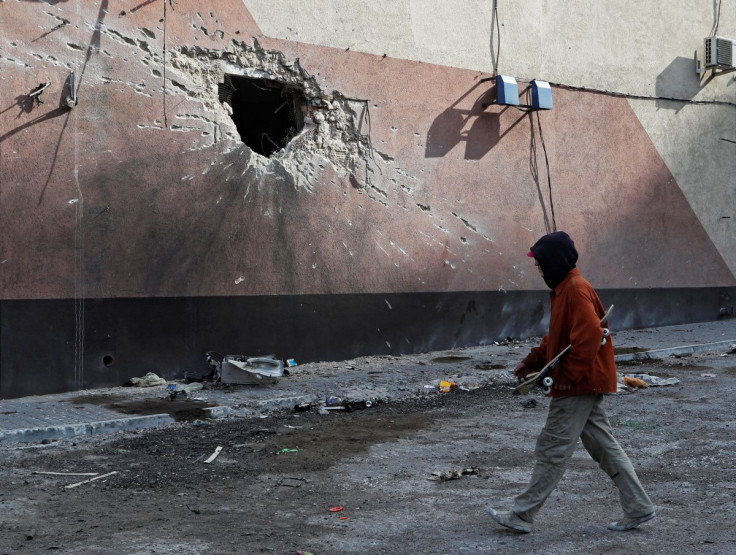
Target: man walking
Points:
(580, 380)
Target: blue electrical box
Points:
(507, 91)
(541, 95)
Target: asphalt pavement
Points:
(359, 382)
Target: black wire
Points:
(640, 96)
(534, 169)
(549, 178)
(494, 17)
(714, 30)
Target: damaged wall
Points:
(395, 220)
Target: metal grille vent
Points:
(725, 53)
(718, 52)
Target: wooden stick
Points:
(66, 473)
(70, 486)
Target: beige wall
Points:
(638, 48)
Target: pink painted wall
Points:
(104, 201)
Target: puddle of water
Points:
(180, 410)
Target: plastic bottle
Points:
(335, 402)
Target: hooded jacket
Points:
(575, 315)
(556, 255)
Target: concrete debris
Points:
(453, 474)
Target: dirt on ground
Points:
(360, 481)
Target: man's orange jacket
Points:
(575, 320)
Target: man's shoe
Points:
(510, 520)
(629, 523)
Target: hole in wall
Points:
(266, 113)
(107, 360)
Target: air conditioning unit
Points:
(719, 53)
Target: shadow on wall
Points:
(449, 128)
(678, 80)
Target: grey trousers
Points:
(583, 417)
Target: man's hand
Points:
(521, 371)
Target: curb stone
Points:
(672, 351)
(89, 428)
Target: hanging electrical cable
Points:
(716, 19)
(549, 178)
(495, 54)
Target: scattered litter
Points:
(654, 380)
(508, 341)
(452, 474)
(237, 369)
(287, 450)
(708, 375)
(468, 387)
(446, 386)
(213, 456)
(334, 403)
(344, 518)
(336, 509)
(70, 486)
(634, 382)
(291, 363)
(529, 404)
(304, 553)
(149, 380)
(184, 390)
(195, 510)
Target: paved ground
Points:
(359, 481)
(386, 378)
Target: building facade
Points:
(332, 178)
